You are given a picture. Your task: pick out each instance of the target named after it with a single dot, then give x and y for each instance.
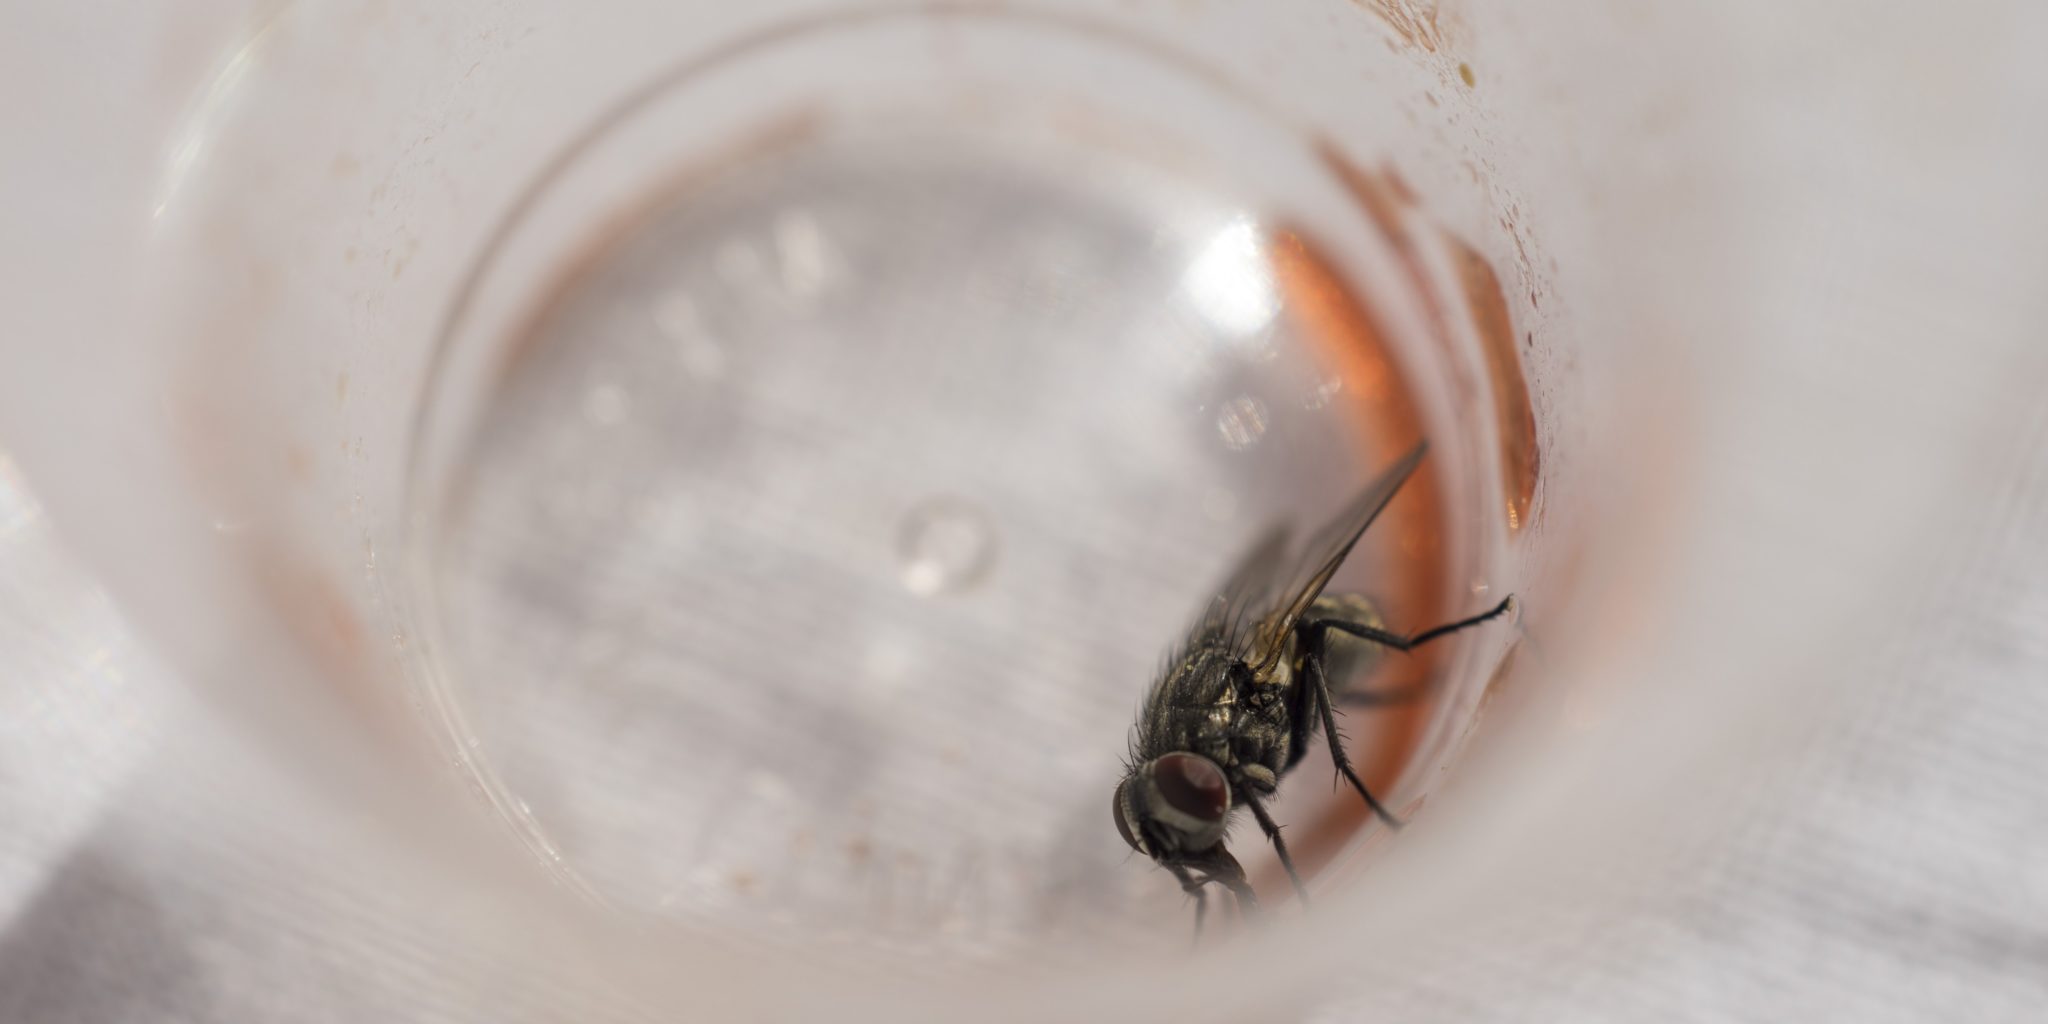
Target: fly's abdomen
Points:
(1347, 658)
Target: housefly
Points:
(1236, 706)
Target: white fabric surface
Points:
(153, 868)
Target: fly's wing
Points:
(1252, 588)
(1318, 562)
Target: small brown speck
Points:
(743, 882)
(1465, 73)
(341, 388)
(858, 850)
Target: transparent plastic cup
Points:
(716, 479)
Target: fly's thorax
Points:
(1193, 708)
(1263, 742)
(1200, 676)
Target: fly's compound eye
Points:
(1118, 809)
(1193, 786)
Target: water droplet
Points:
(1242, 422)
(945, 545)
(1231, 283)
(738, 262)
(1320, 397)
(677, 317)
(606, 405)
(808, 261)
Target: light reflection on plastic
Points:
(204, 119)
(1231, 283)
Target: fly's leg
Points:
(1193, 887)
(1272, 830)
(1354, 616)
(1319, 691)
(1225, 871)
(1314, 634)
(1413, 691)
(1315, 630)
(1241, 892)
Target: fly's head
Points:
(1172, 808)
